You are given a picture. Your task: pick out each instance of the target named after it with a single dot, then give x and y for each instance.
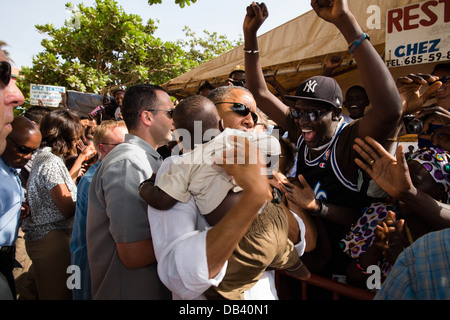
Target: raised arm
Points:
(267, 102)
(383, 119)
(392, 175)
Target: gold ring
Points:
(372, 162)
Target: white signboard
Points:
(50, 96)
(418, 33)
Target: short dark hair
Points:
(206, 85)
(194, 108)
(36, 113)
(441, 66)
(138, 98)
(224, 92)
(118, 91)
(235, 71)
(360, 89)
(59, 128)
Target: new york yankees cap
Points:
(319, 88)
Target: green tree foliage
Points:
(199, 50)
(102, 48)
(181, 3)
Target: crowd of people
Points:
(135, 216)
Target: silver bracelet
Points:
(251, 51)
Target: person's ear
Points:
(336, 113)
(101, 149)
(147, 117)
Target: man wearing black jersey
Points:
(330, 180)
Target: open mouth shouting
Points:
(308, 135)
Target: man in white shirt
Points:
(191, 255)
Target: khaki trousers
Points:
(51, 257)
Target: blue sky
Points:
(224, 17)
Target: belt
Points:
(7, 249)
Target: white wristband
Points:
(251, 51)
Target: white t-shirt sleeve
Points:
(301, 245)
(180, 248)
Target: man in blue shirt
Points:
(422, 271)
(107, 136)
(10, 97)
(23, 140)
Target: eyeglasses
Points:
(242, 110)
(111, 144)
(169, 111)
(22, 149)
(5, 72)
(312, 115)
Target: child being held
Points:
(266, 245)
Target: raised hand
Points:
(88, 151)
(300, 194)
(389, 173)
(255, 17)
(244, 164)
(389, 238)
(332, 62)
(409, 88)
(332, 10)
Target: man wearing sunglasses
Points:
(119, 244)
(237, 109)
(325, 168)
(10, 97)
(236, 106)
(23, 140)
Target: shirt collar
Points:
(132, 139)
(8, 168)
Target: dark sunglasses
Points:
(22, 149)
(5, 72)
(169, 111)
(312, 115)
(242, 110)
(444, 79)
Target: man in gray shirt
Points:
(120, 248)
